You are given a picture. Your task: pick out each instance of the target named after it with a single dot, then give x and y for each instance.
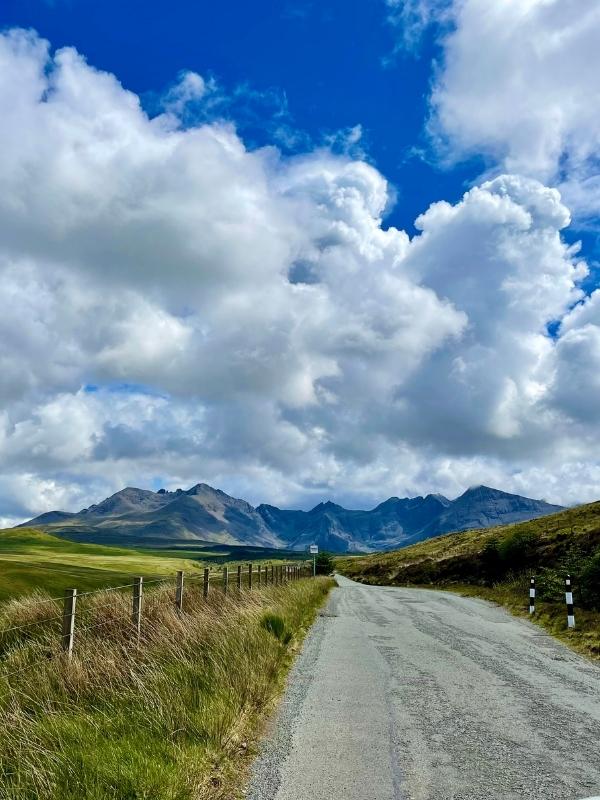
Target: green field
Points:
(31, 560)
(497, 564)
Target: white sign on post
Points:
(313, 550)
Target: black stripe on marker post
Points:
(569, 600)
(532, 596)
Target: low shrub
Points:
(589, 582)
(275, 624)
(324, 564)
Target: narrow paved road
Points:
(423, 695)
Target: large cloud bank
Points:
(177, 308)
(518, 83)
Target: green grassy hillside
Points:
(497, 563)
(32, 560)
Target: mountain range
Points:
(203, 515)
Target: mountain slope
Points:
(483, 507)
(203, 514)
(465, 557)
(140, 517)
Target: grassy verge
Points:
(173, 718)
(496, 564)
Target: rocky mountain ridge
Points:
(203, 514)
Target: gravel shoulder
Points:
(424, 695)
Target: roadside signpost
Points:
(313, 550)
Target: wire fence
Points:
(75, 613)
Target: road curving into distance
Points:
(424, 695)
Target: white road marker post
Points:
(569, 600)
(532, 597)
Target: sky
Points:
(299, 251)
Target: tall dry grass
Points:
(173, 715)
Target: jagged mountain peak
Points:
(205, 488)
(481, 490)
(328, 505)
(438, 498)
(143, 517)
(125, 500)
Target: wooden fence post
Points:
(258, 575)
(68, 621)
(179, 590)
(249, 576)
(136, 611)
(272, 573)
(239, 578)
(225, 579)
(206, 581)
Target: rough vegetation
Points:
(173, 716)
(324, 563)
(497, 563)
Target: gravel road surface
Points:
(423, 695)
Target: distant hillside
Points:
(31, 560)
(561, 541)
(137, 517)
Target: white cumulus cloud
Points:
(518, 84)
(178, 307)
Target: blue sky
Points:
(335, 65)
(236, 271)
(330, 66)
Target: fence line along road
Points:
(72, 599)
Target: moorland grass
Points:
(173, 717)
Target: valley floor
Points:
(423, 695)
